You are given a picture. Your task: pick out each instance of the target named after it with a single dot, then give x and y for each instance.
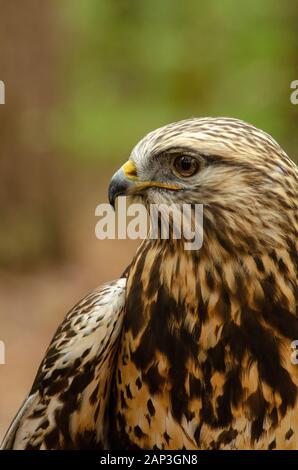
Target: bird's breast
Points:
(200, 366)
(157, 384)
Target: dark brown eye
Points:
(186, 165)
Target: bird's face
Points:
(199, 159)
(238, 172)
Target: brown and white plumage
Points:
(66, 407)
(203, 360)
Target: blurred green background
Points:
(85, 80)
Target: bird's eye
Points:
(186, 165)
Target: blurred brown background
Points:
(84, 81)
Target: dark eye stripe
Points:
(206, 158)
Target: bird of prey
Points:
(189, 349)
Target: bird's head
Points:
(243, 178)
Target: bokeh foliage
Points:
(135, 65)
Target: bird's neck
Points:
(210, 288)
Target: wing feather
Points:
(67, 404)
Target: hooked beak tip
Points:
(120, 183)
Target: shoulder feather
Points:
(67, 403)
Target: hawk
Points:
(189, 349)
